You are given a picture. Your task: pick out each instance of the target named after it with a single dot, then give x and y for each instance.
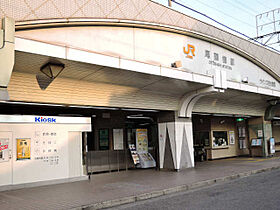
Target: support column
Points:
(175, 142)
(7, 55)
(176, 132)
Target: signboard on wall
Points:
(4, 150)
(206, 58)
(256, 142)
(142, 140)
(118, 139)
(231, 137)
(272, 145)
(104, 139)
(23, 149)
(260, 133)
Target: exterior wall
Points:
(141, 11)
(150, 46)
(45, 163)
(155, 47)
(206, 123)
(227, 125)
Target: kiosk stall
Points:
(41, 150)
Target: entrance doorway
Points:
(113, 132)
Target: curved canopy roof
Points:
(141, 13)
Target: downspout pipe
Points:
(7, 55)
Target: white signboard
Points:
(4, 150)
(260, 133)
(272, 145)
(206, 58)
(231, 137)
(118, 139)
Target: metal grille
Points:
(109, 160)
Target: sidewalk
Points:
(105, 190)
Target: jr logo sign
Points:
(190, 51)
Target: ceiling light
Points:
(51, 69)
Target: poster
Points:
(134, 154)
(272, 145)
(118, 139)
(104, 139)
(231, 137)
(4, 150)
(142, 140)
(23, 149)
(260, 133)
(242, 143)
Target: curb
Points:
(154, 194)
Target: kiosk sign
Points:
(45, 120)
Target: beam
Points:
(188, 101)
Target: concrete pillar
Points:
(175, 142)
(7, 55)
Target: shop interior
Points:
(114, 139)
(219, 136)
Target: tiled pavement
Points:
(116, 185)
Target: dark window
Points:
(220, 138)
(104, 139)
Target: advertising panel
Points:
(142, 140)
(23, 149)
(118, 139)
(272, 145)
(103, 139)
(231, 137)
(4, 150)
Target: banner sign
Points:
(142, 140)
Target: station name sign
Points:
(45, 120)
(216, 60)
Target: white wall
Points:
(154, 47)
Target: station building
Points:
(81, 81)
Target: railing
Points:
(108, 160)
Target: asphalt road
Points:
(259, 191)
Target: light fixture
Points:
(273, 102)
(176, 64)
(240, 119)
(139, 110)
(52, 69)
(245, 80)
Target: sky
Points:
(237, 14)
